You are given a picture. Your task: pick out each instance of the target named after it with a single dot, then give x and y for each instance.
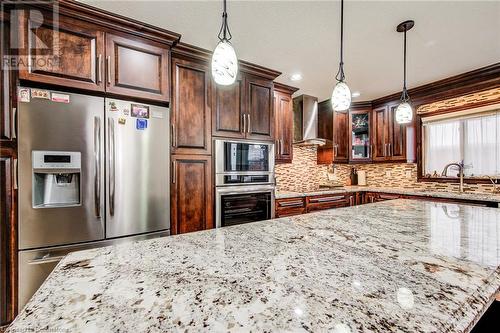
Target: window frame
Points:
(420, 146)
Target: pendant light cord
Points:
(404, 97)
(224, 32)
(340, 74)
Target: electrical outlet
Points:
(408, 173)
(388, 173)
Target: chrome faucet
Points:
(460, 166)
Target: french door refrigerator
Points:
(93, 171)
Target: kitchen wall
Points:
(305, 175)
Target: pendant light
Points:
(341, 95)
(404, 111)
(224, 61)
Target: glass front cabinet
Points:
(359, 131)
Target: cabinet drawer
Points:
(290, 206)
(329, 201)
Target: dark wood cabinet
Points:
(137, 68)
(329, 201)
(371, 197)
(229, 110)
(333, 127)
(7, 216)
(68, 52)
(244, 110)
(290, 207)
(360, 148)
(260, 113)
(388, 137)
(283, 125)
(340, 137)
(191, 193)
(191, 107)
(7, 131)
(74, 53)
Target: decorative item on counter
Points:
(435, 174)
(353, 177)
(362, 178)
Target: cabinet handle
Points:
(174, 136)
(243, 116)
(326, 199)
(249, 125)
(14, 123)
(390, 149)
(385, 149)
(15, 185)
(174, 172)
(371, 151)
(99, 68)
(351, 201)
(292, 204)
(335, 150)
(108, 69)
(281, 147)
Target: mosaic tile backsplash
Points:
(304, 174)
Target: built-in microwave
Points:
(240, 162)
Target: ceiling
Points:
(449, 37)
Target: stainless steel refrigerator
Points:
(93, 171)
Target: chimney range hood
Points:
(305, 121)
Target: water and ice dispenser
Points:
(56, 179)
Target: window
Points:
(472, 137)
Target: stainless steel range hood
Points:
(305, 121)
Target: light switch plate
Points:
(388, 173)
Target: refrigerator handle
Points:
(97, 167)
(111, 131)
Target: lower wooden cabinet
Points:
(371, 197)
(290, 207)
(302, 205)
(191, 193)
(329, 201)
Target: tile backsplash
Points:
(304, 174)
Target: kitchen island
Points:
(400, 265)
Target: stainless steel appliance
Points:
(90, 169)
(244, 180)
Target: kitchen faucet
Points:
(460, 166)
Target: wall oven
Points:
(244, 180)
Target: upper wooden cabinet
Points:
(244, 109)
(137, 68)
(360, 148)
(283, 125)
(333, 126)
(191, 107)
(67, 52)
(229, 110)
(260, 113)
(388, 137)
(74, 53)
(191, 193)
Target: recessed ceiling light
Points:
(356, 94)
(296, 77)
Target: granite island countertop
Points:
(399, 265)
(491, 197)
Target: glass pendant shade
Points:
(404, 113)
(224, 64)
(341, 97)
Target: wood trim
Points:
(469, 82)
(114, 21)
(258, 70)
(285, 89)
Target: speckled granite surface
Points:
(400, 265)
(427, 193)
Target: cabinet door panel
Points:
(340, 136)
(380, 134)
(398, 138)
(6, 130)
(283, 127)
(229, 111)
(136, 68)
(67, 53)
(191, 193)
(191, 113)
(6, 216)
(260, 109)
